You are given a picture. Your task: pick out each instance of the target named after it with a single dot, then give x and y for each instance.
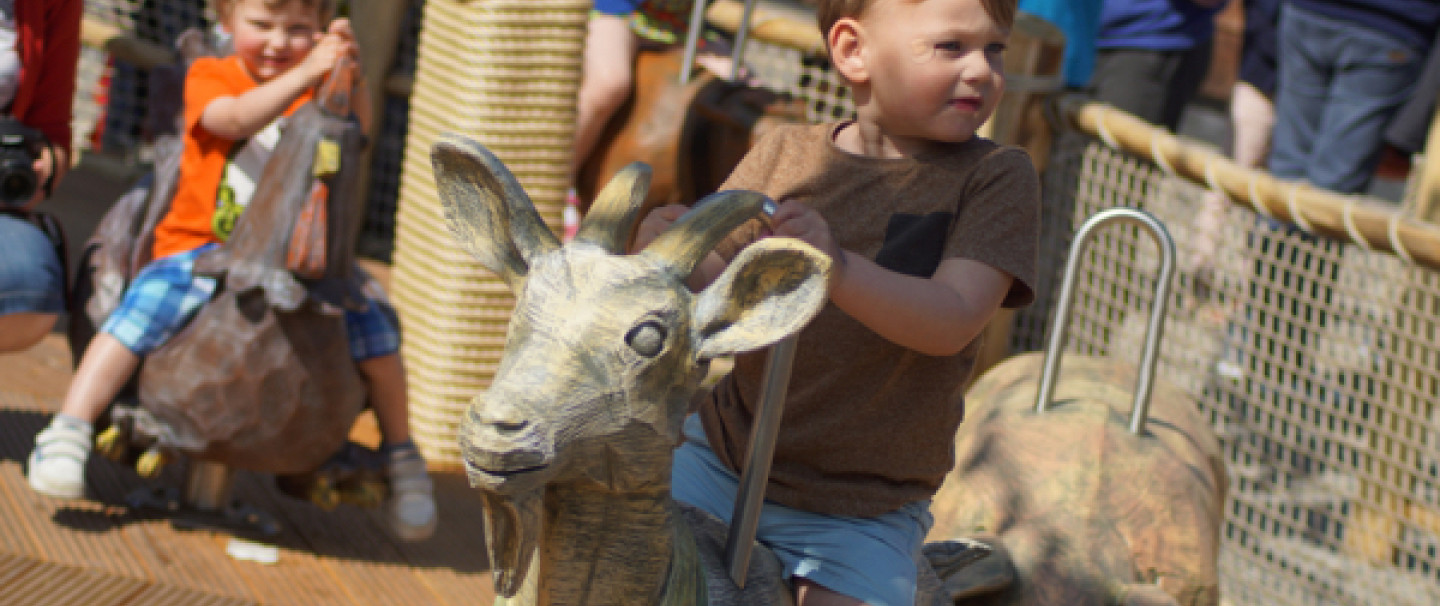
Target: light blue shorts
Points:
(870, 559)
(31, 278)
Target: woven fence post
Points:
(504, 72)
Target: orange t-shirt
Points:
(188, 225)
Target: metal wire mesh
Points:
(115, 103)
(808, 77)
(377, 235)
(1315, 360)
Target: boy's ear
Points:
(847, 45)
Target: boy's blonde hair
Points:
(324, 8)
(830, 11)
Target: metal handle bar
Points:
(763, 435)
(692, 41)
(1154, 330)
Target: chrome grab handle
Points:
(1154, 330)
(692, 41)
(763, 434)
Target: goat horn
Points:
(609, 221)
(488, 210)
(696, 233)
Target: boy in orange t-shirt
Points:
(281, 52)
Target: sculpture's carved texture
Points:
(573, 441)
(1083, 507)
(262, 378)
(571, 445)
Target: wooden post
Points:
(377, 32)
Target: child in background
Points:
(282, 51)
(931, 229)
(616, 31)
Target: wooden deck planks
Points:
(98, 551)
(49, 584)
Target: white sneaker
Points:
(57, 465)
(410, 511)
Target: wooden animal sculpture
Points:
(691, 135)
(261, 378)
(572, 443)
(1095, 503)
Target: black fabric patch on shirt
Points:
(914, 243)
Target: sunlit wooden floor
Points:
(98, 551)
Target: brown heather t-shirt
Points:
(869, 425)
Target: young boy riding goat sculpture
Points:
(900, 234)
(917, 232)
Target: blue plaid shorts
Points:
(166, 295)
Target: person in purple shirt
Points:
(1153, 54)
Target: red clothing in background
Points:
(48, 41)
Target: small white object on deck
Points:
(241, 549)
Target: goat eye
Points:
(647, 339)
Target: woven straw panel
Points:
(504, 72)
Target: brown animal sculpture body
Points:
(261, 378)
(1089, 513)
(571, 445)
(691, 135)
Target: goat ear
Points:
(770, 291)
(487, 210)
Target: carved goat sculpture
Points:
(572, 443)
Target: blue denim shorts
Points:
(166, 295)
(31, 277)
(870, 559)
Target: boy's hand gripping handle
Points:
(336, 92)
(763, 434)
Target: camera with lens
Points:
(20, 146)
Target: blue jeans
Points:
(1339, 84)
(31, 278)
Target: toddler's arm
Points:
(243, 115)
(937, 316)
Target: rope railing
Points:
(771, 25)
(1365, 222)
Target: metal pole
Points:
(1140, 408)
(737, 55)
(763, 434)
(692, 40)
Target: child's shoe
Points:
(410, 511)
(57, 465)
